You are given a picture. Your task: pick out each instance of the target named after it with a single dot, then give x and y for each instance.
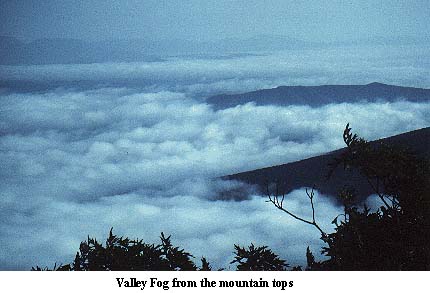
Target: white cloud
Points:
(79, 161)
(55, 228)
(406, 65)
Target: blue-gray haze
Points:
(214, 19)
(131, 144)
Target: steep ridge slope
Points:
(313, 171)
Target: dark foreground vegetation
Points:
(395, 237)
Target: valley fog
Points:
(134, 146)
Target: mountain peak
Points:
(377, 84)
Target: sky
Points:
(333, 20)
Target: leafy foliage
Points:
(123, 254)
(396, 175)
(205, 265)
(258, 259)
(396, 236)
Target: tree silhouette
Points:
(396, 236)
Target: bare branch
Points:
(274, 199)
(311, 197)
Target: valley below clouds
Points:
(134, 146)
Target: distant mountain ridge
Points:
(313, 171)
(14, 51)
(69, 51)
(321, 95)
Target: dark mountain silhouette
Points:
(321, 95)
(313, 171)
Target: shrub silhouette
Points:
(123, 254)
(397, 235)
(258, 259)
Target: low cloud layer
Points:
(77, 161)
(205, 76)
(53, 229)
